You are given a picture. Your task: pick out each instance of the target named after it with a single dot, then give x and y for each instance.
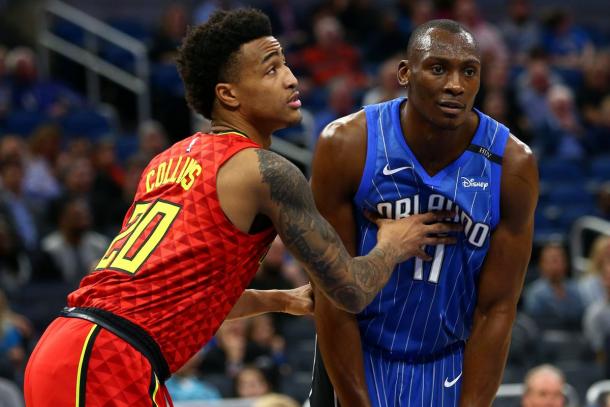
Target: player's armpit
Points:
(501, 279)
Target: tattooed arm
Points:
(351, 283)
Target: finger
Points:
(435, 241)
(372, 217)
(436, 216)
(438, 228)
(423, 255)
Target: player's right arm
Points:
(350, 282)
(341, 151)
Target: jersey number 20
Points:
(148, 224)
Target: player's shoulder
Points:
(344, 137)
(519, 157)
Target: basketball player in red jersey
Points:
(204, 214)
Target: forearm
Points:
(341, 350)
(485, 357)
(255, 302)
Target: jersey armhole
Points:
(369, 163)
(496, 173)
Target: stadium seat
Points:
(86, 122)
(24, 122)
(596, 391)
(557, 171)
(165, 78)
(69, 31)
(600, 168)
(570, 213)
(133, 28)
(580, 374)
(297, 385)
(569, 194)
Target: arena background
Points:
(89, 93)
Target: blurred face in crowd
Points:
(328, 32)
(79, 176)
(544, 389)
(519, 10)
(262, 329)
(539, 75)
(553, 263)
(12, 174)
(251, 382)
(76, 218)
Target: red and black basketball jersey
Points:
(178, 265)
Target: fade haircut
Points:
(442, 24)
(209, 53)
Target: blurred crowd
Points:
(68, 172)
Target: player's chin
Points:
(294, 117)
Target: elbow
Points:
(350, 300)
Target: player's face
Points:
(443, 77)
(267, 89)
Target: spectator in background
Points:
(568, 46)
(275, 400)
(41, 181)
(231, 351)
(107, 186)
(269, 276)
(152, 139)
(251, 382)
(603, 200)
(562, 134)
(186, 385)
(544, 387)
(553, 300)
(15, 263)
(329, 57)
(15, 206)
(359, 17)
(169, 34)
(117, 207)
(596, 322)
(31, 93)
(387, 87)
(385, 41)
(261, 331)
(601, 132)
(521, 32)
(591, 285)
(286, 23)
(12, 352)
(341, 102)
(73, 249)
(491, 44)
(596, 87)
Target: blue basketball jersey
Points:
(426, 308)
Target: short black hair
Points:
(207, 54)
(442, 24)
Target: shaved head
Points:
(421, 41)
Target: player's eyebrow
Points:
(270, 55)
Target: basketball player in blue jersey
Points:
(438, 333)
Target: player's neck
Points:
(242, 127)
(431, 144)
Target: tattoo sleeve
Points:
(351, 283)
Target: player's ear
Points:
(227, 95)
(404, 72)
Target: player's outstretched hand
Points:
(407, 237)
(299, 301)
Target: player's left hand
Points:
(299, 301)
